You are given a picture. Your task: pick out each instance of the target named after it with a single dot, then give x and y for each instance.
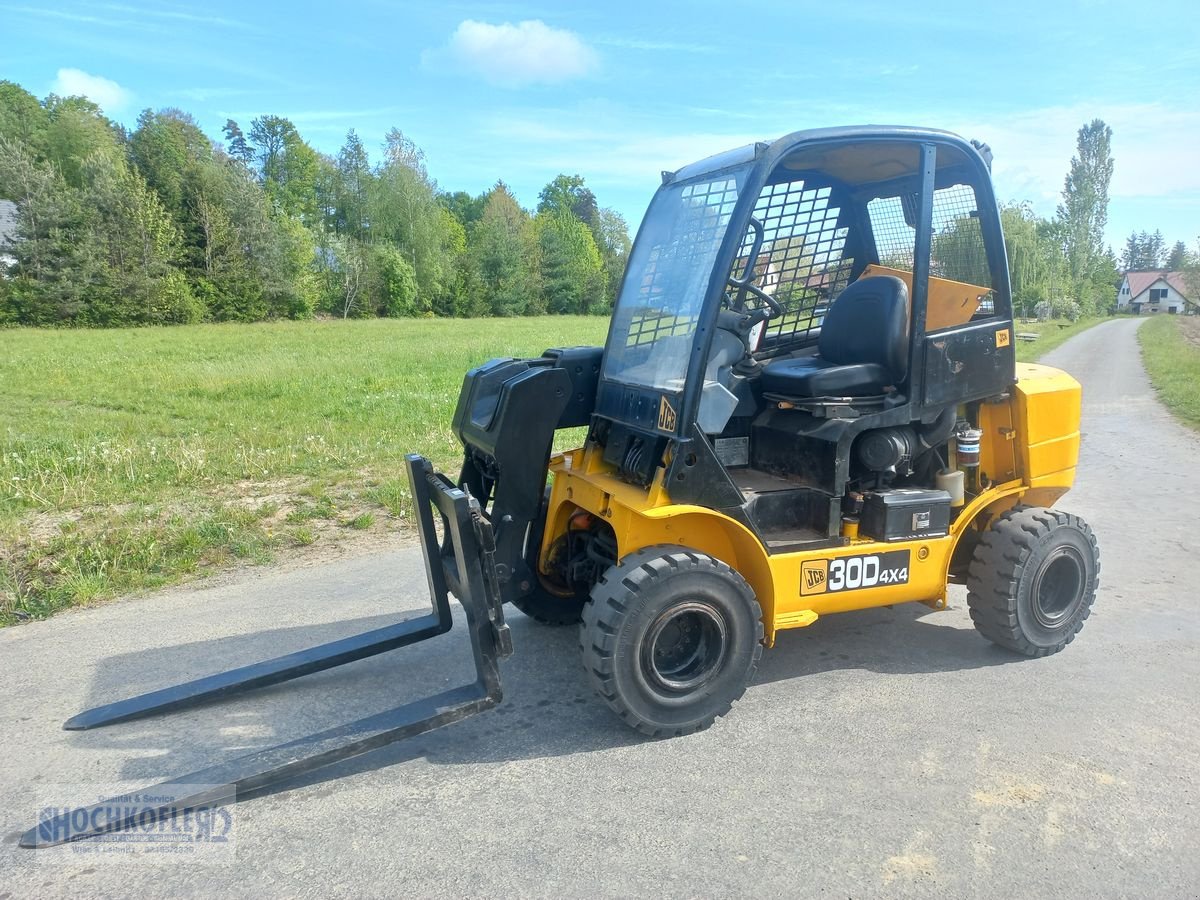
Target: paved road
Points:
(879, 753)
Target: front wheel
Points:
(670, 639)
(548, 602)
(1033, 579)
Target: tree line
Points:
(161, 224)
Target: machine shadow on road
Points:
(906, 639)
(549, 708)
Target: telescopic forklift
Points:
(808, 403)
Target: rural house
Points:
(8, 233)
(1155, 291)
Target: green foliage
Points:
(1037, 268)
(290, 168)
(23, 120)
(1083, 214)
(957, 252)
(573, 274)
(161, 225)
(467, 210)
(568, 193)
(397, 283)
(612, 237)
(1144, 251)
(77, 129)
(505, 247)
(1177, 259)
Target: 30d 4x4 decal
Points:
(853, 573)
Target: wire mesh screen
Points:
(676, 273)
(958, 251)
(802, 262)
(666, 282)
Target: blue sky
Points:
(619, 90)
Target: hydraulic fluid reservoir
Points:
(954, 483)
(966, 449)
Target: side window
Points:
(802, 263)
(957, 254)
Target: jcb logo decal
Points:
(666, 415)
(853, 573)
(813, 576)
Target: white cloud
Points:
(104, 92)
(530, 52)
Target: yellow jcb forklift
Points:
(808, 403)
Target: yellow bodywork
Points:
(1028, 452)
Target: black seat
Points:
(862, 349)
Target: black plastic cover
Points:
(582, 364)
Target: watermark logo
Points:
(175, 823)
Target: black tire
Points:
(670, 639)
(550, 609)
(547, 603)
(1033, 579)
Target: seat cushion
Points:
(811, 376)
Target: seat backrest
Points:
(868, 323)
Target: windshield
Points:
(668, 274)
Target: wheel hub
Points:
(1058, 587)
(685, 646)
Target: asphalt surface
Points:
(890, 752)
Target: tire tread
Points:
(995, 571)
(602, 616)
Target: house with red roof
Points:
(1156, 291)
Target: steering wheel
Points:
(745, 284)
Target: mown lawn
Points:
(1171, 352)
(130, 458)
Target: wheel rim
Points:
(685, 646)
(1058, 588)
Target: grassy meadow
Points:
(133, 458)
(130, 458)
(1171, 352)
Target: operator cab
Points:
(804, 322)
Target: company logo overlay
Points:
(141, 825)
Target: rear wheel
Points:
(1033, 579)
(670, 639)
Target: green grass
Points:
(1050, 335)
(131, 458)
(1171, 352)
